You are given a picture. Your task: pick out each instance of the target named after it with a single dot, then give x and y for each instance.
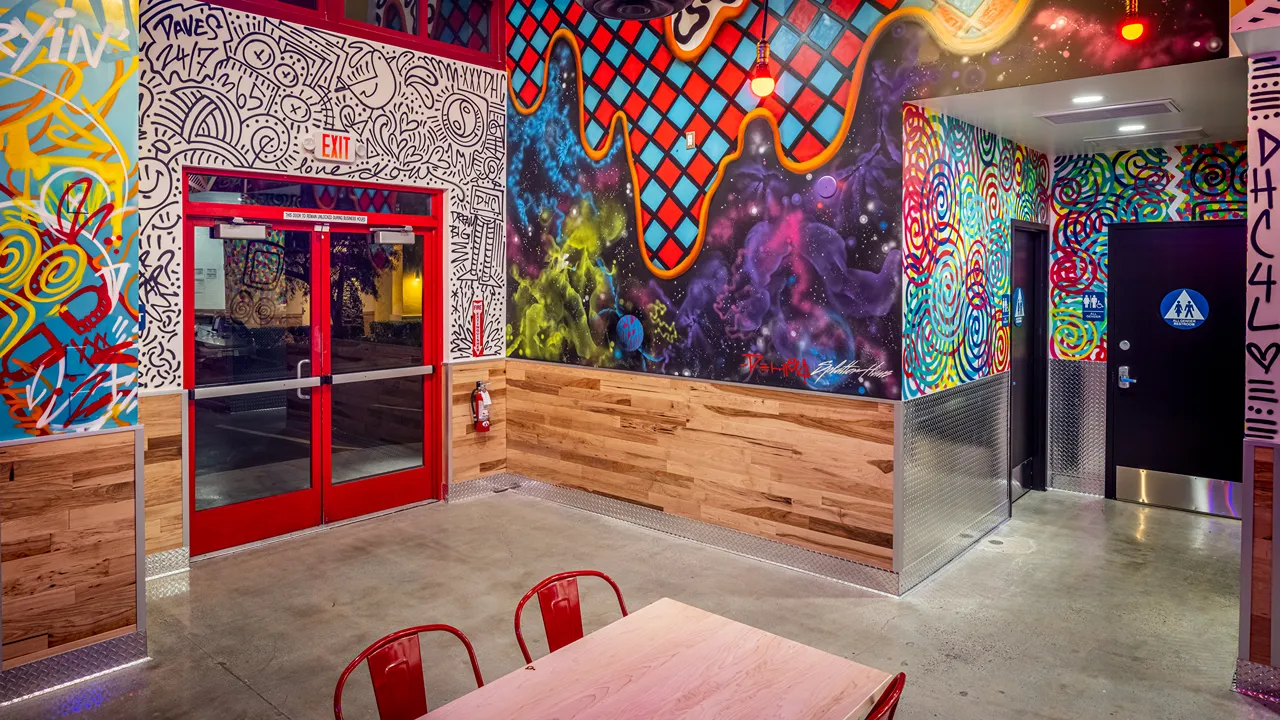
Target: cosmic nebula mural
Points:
(663, 219)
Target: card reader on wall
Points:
(393, 236)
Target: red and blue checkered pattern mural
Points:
(770, 250)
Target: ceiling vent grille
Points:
(1130, 141)
(1110, 112)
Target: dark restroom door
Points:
(1027, 368)
(1175, 396)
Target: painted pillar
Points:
(1256, 30)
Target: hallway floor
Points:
(1076, 608)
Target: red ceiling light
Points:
(1133, 27)
(761, 80)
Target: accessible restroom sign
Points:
(1184, 309)
(1093, 306)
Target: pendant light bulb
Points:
(762, 82)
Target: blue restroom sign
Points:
(1184, 309)
(1019, 307)
(1093, 306)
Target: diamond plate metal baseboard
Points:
(71, 666)
(167, 586)
(167, 562)
(1078, 426)
(955, 474)
(1257, 680)
(483, 486)
(739, 543)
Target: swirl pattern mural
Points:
(961, 188)
(68, 217)
(1195, 182)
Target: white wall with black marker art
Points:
(226, 89)
(1262, 330)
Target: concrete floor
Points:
(1076, 608)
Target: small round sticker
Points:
(1184, 309)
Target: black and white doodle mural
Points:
(226, 89)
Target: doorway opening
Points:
(313, 333)
(1028, 358)
(1175, 392)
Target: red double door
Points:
(313, 364)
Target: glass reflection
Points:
(377, 427)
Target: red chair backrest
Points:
(561, 611)
(887, 705)
(395, 667)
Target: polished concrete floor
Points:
(1075, 609)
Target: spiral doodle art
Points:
(1192, 182)
(961, 187)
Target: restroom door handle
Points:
(299, 390)
(1124, 381)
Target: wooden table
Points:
(670, 660)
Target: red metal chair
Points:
(561, 612)
(887, 705)
(395, 666)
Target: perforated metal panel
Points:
(71, 666)
(1077, 426)
(955, 470)
(770, 551)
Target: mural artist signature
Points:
(846, 368)
(755, 362)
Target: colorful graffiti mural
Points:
(1194, 182)
(752, 240)
(961, 188)
(68, 217)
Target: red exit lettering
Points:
(335, 147)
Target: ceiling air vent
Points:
(1138, 140)
(1110, 112)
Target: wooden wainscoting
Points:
(805, 469)
(161, 417)
(1259, 549)
(477, 454)
(67, 544)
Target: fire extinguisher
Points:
(480, 402)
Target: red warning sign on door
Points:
(477, 327)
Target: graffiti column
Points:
(1256, 30)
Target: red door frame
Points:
(248, 521)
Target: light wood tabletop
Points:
(670, 660)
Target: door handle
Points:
(299, 390)
(1124, 381)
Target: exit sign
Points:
(335, 146)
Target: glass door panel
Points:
(251, 446)
(377, 427)
(375, 304)
(251, 306)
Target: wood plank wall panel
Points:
(804, 469)
(161, 417)
(1261, 546)
(67, 544)
(478, 454)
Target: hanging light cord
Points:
(762, 47)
